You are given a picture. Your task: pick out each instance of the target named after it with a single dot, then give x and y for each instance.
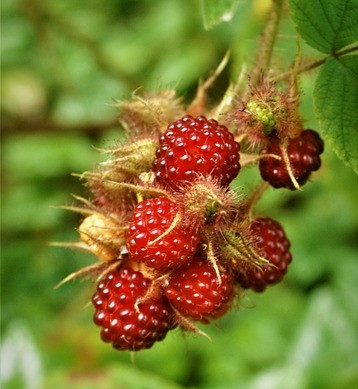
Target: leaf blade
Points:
(327, 26)
(215, 12)
(335, 103)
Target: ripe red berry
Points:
(196, 292)
(304, 157)
(124, 324)
(272, 244)
(157, 237)
(196, 146)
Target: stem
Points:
(314, 64)
(287, 162)
(212, 259)
(264, 53)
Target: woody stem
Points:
(269, 35)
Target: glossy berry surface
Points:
(124, 324)
(304, 157)
(157, 238)
(195, 291)
(196, 146)
(273, 245)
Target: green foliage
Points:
(59, 81)
(336, 102)
(328, 26)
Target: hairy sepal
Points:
(149, 113)
(205, 202)
(268, 109)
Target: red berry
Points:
(196, 146)
(273, 245)
(304, 157)
(196, 292)
(156, 238)
(124, 324)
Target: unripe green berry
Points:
(263, 115)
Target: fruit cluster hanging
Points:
(176, 245)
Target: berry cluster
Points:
(297, 159)
(151, 239)
(192, 147)
(274, 246)
(176, 244)
(270, 124)
(126, 322)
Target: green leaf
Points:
(336, 102)
(218, 11)
(326, 25)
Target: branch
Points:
(314, 64)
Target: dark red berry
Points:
(272, 244)
(196, 146)
(196, 292)
(304, 157)
(124, 324)
(157, 237)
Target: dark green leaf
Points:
(336, 102)
(327, 26)
(217, 11)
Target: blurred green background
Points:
(63, 63)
